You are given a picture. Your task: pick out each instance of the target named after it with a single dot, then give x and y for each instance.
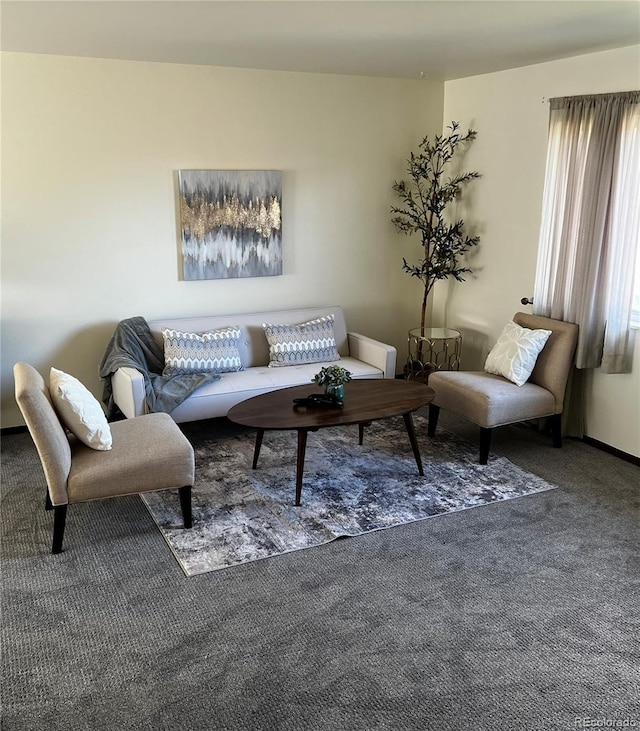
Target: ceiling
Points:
(433, 39)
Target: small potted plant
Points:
(333, 379)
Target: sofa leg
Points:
(434, 413)
(185, 505)
(556, 430)
(59, 521)
(485, 444)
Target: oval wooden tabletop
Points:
(364, 400)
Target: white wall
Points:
(508, 111)
(90, 149)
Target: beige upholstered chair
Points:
(489, 400)
(148, 453)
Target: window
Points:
(629, 147)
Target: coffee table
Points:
(365, 400)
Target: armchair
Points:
(148, 453)
(491, 400)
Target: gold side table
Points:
(432, 349)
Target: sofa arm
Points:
(373, 352)
(127, 385)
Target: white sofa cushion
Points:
(215, 399)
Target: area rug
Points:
(243, 515)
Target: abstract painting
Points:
(231, 223)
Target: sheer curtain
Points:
(591, 223)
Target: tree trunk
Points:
(423, 314)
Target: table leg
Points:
(256, 450)
(361, 427)
(408, 422)
(302, 448)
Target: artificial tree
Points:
(423, 211)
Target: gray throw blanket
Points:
(133, 345)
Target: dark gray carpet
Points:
(522, 614)
(241, 514)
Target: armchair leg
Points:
(434, 413)
(485, 444)
(185, 505)
(556, 430)
(59, 521)
(48, 505)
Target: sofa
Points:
(364, 357)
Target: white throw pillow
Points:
(79, 410)
(515, 353)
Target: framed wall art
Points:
(230, 223)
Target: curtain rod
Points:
(633, 96)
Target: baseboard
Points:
(6, 430)
(612, 450)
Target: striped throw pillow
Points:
(307, 342)
(209, 352)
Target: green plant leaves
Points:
(424, 200)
